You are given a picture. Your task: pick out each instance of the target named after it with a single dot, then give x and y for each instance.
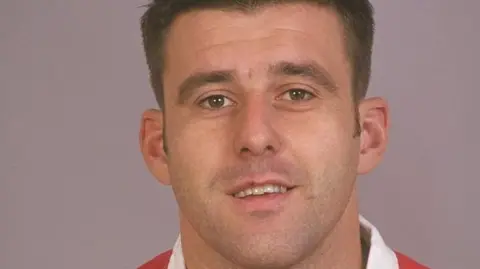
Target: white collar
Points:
(380, 255)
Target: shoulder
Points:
(405, 262)
(159, 262)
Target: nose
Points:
(255, 134)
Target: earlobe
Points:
(374, 122)
(151, 139)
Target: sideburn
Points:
(358, 128)
(165, 148)
(164, 131)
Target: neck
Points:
(340, 249)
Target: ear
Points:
(374, 123)
(151, 138)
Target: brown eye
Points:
(297, 95)
(216, 102)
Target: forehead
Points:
(249, 42)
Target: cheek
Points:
(195, 154)
(319, 134)
(324, 145)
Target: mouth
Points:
(262, 190)
(262, 200)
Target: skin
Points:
(258, 123)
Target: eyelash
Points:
(203, 100)
(307, 92)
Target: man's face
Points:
(254, 100)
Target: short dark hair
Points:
(356, 15)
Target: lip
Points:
(259, 180)
(262, 206)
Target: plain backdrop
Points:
(75, 192)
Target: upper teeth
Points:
(260, 190)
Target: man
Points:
(263, 129)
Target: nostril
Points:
(268, 148)
(244, 150)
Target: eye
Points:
(296, 94)
(216, 102)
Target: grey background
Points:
(74, 190)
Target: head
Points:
(261, 90)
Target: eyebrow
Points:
(199, 79)
(310, 70)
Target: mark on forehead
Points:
(250, 73)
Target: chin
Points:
(270, 251)
(273, 258)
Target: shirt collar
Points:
(380, 255)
